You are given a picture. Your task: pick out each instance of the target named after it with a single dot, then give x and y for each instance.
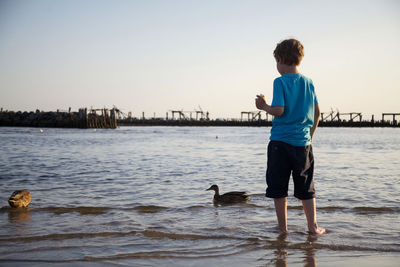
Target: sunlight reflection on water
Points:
(137, 195)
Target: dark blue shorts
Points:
(285, 160)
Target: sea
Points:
(136, 196)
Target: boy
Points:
(296, 116)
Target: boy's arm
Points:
(317, 114)
(261, 103)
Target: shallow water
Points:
(136, 196)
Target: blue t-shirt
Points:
(295, 92)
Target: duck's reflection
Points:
(19, 215)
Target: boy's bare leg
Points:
(281, 213)
(311, 215)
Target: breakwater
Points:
(244, 123)
(83, 118)
(112, 118)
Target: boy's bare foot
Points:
(316, 230)
(283, 231)
(311, 215)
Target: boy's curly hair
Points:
(289, 52)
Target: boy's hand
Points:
(261, 103)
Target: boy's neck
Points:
(287, 69)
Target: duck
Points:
(20, 199)
(228, 198)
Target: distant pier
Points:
(258, 118)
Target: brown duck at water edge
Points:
(20, 199)
(228, 198)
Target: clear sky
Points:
(153, 56)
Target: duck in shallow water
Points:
(20, 199)
(228, 198)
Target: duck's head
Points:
(213, 187)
